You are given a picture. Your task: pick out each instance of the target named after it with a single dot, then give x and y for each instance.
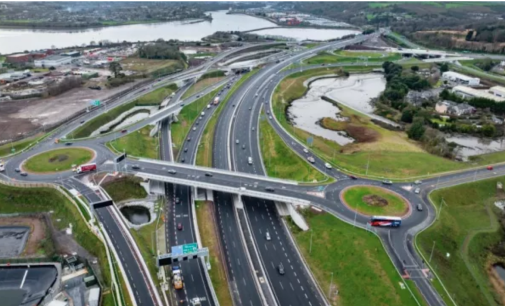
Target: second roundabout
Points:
(373, 200)
(58, 160)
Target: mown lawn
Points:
(362, 271)
(466, 229)
(354, 197)
(58, 160)
(138, 144)
(280, 161)
(210, 236)
(63, 212)
(124, 188)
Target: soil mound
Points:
(58, 158)
(375, 200)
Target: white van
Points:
(249, 160)
(203, 114)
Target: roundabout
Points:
(373, 200)
(58, 160)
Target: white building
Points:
(469, 92)
(460, 78)
(53, 61)
(498, 91)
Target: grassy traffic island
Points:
(58, 160)
(372, 200)
(138, 144)
(465, 243)
(353, 262)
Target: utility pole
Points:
(310, 247)
(432, 248)
(367, 164)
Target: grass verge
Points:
(468, 230)
(209, 234)
(201, 85)
(204, 154)
(138, 144)
(358, 198)
(6, 149)
(280, 161)
(151, 99)
(187, 117)
(342, 56)
(58, 160)
(124, 188)
(40, 200)
(362, 271)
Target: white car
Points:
(305, 151)
(208, 106)
(267, 236)
(327, 165)
(417, 190)
(203, 114)
(194, 129)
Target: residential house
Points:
(453, 108)
(417, 98)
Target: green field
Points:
(201, 85)
(138, 144)
(58, 160)
(6, 149)
(125, 188)
(187, 117)
(362, 270)
(280, 161)
(63, 212)
(151, 99)
(341, 56)
(204, 154)
(466, 229)
(354, 197)
(210, 237)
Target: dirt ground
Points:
(37, 232)
(22, 116)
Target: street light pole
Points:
(331, 283)
(367, 164)
(432, 248)
(310, 247)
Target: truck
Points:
(216, 100)
(86, 168)
(177, 277)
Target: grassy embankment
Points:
(138, 144)
(151, 99)
(210, 236)
(204, 82)
(38, 200)
(124, 188)
(472, 70)
(467, 229)
(355, 198)
(280, 161)
(6, 149)
(342, 56)
(387, 153)
(152, 67)
(204, 154)
(362, 271)
(58, 160)
(187, 117)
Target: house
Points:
(444, 106)
(498, 91)
(460, 78)
(417, 98)
(453, 108)
(53, 61)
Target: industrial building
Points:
(460, 78)
(496, 93)
(53, 61)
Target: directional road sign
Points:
(189, 248)
(177, 250)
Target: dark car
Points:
(243, 147)
(269, 189)
(185, 149)
(183, 160)
(68, 143)
(23, 174)
(124, 131)
(182, 104)
(352, 177)
(135, 167)
(177, 201)
(179, 226)
(83, 121)
(208, 174)
(189, 139)
(419, 207)
(280, 268)
(95, 87)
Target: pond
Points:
(500, 270)
(471, 145)
(137, 215)
(354, 92)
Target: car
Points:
(489, 167)
(208, 174)
(280, 268)
(203, 113)
(183, 160)
(253, 128)
(197, 123)
(352, 177)
(200, 118)
(208, 106)
(179, 226)
(95, 87)
(249, 160)
(417, 190)
(17, 170)
(386, 182)
(177, 200)
(189, 139)
(172, 171)
(311, 159)
(419, 207)
(185, 149)
(135, 167)
(256, 95)
(233, 105)
(198, 96)
(305, 151)
(327, 165)
(270, 117)
(83, 121)
(243, 147)
(194, 128)
(250, 108)
(237, 141)
(418, 182)
(269, 189)
(267, 236)
(68, 143)
(124, 131)
(182, 104)
(268, 112)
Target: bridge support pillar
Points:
(288, 209)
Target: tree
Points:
(488, 130)
(417, 129)
(415, 68)
(115, 68)
(408, 115)
(444, 67)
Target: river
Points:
(18, 40)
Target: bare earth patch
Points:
(37, 232)
(375, 200)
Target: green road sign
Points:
(13, 150)
(189, 248)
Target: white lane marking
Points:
(24, 278)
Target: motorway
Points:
(233, 175)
